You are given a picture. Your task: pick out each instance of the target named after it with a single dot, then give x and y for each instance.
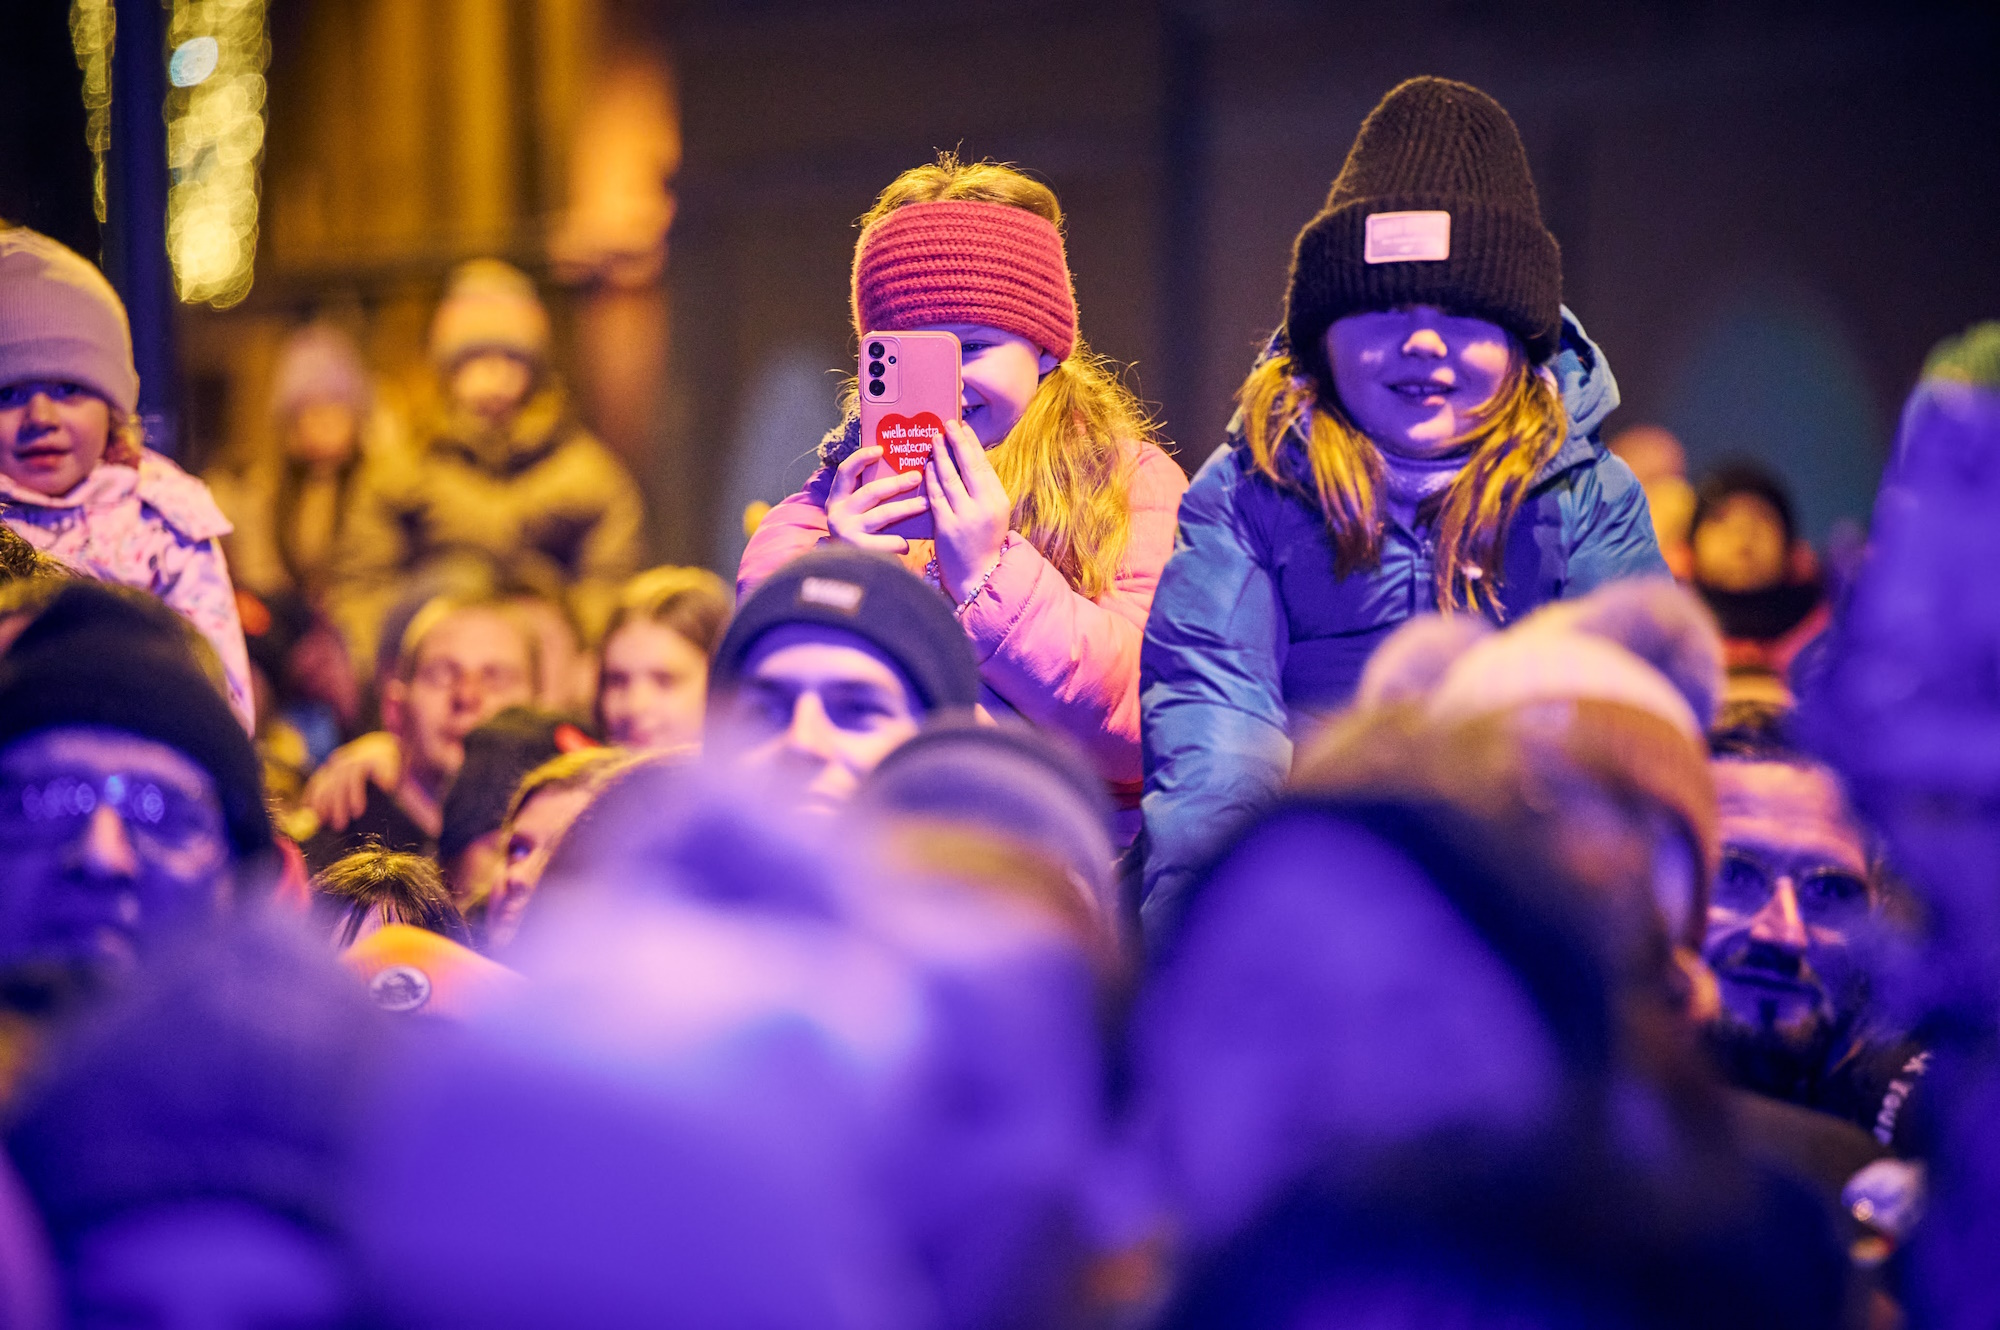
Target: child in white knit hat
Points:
(76, 479)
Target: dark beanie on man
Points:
(871, 596)
(1434, 206)
(112, 672)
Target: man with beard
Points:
(131, 806)
(1800, 892)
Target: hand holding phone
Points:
(858, 510)
(909, 389)
(970, 511)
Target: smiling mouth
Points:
(1422, 390)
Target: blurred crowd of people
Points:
(1428, 869)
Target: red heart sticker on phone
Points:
(906, 441)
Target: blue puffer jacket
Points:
(1252, 638)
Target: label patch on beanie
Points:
(835, 595)
(1407, 237)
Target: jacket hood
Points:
(1589, 391)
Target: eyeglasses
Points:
(1827, 896)
(446, 675)
(57, 810)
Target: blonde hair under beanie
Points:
(60, 319)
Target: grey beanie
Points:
(60, 319)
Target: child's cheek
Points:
(1485, 363)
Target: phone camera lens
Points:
(892, 360)
(874, 369)
(875, 350)
(875, 387)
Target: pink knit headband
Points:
(965, 261)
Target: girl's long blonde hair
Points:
(1514, 437)
(1062, 463)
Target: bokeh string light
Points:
(215, 143)
(92, 25)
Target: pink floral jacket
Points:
(153, 527)
(1046, 652)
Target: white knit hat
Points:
(60, 319)
(489, 306)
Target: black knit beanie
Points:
(147, 686)
(1434, 206)
(497, 754)
(871, 596)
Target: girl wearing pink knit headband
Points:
(1053, 504)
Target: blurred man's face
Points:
(473, 664)
(1740, 546)
(1793, 894)
(491, 385)
(207, 1263)
(108, 839)
(816, 711)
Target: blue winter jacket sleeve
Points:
(1610, 529)
(1210, 688)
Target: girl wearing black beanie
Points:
(1419, 435)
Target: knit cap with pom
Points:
(60, 319)
(1619, 685)
(489, 306)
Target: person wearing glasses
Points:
(461, 662)
(131, 802)
(1799, 899)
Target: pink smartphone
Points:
(909, 388)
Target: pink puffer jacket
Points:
(1045, 652)
(154, 527)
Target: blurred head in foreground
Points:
(370, 889)
(187, 1144)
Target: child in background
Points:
(652, 685)
(76, 479)
(1758, 576)
(288, 504)
(1420, 435)
(1054, 506)
(500, 483)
